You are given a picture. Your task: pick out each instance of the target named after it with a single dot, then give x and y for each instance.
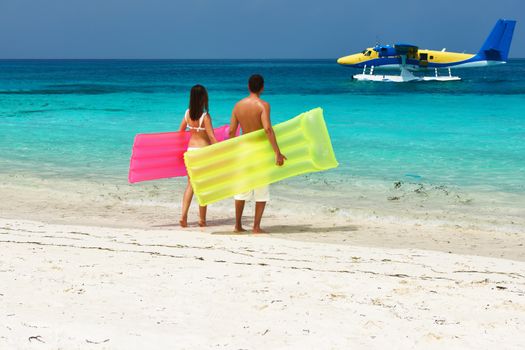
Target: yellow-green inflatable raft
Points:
(248, 161)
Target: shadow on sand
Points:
(293, 229)
(287, 229)
(215, 222)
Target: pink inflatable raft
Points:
(161, 155)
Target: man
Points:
(254, 114)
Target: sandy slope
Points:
(69, 287)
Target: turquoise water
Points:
(71, 119)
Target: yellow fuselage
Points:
(415, 60)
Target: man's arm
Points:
(234, 124)
(267, 125)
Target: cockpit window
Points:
(368, 53)
(363, 52)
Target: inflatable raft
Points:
(160, 155)
(248, 161)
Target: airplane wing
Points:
(396, 50)
(405, 49)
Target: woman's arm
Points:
(209, 129)
(183, 125)
(234, 124)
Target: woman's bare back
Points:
(201, 130)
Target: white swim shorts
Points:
(260, 194)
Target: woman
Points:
(198, 121)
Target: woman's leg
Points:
(186, 201)
(202, 214)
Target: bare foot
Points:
(258, 230)
(183, 222)
(238, 229)
(202, 223)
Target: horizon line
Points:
(166, 59)
(181, 59)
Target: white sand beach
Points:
(82, 269)
(71, 287)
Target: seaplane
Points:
(410, 58)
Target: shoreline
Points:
(411, 223)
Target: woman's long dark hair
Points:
(198, 101)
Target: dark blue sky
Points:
(245, 28)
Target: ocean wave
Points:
(48, 110)
(91, 89)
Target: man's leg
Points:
(259, 210)
(261, 196)
(239, 208)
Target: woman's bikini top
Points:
(201, 119)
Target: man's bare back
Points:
(254, 114)
(248, 112)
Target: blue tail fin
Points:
(497, 44)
